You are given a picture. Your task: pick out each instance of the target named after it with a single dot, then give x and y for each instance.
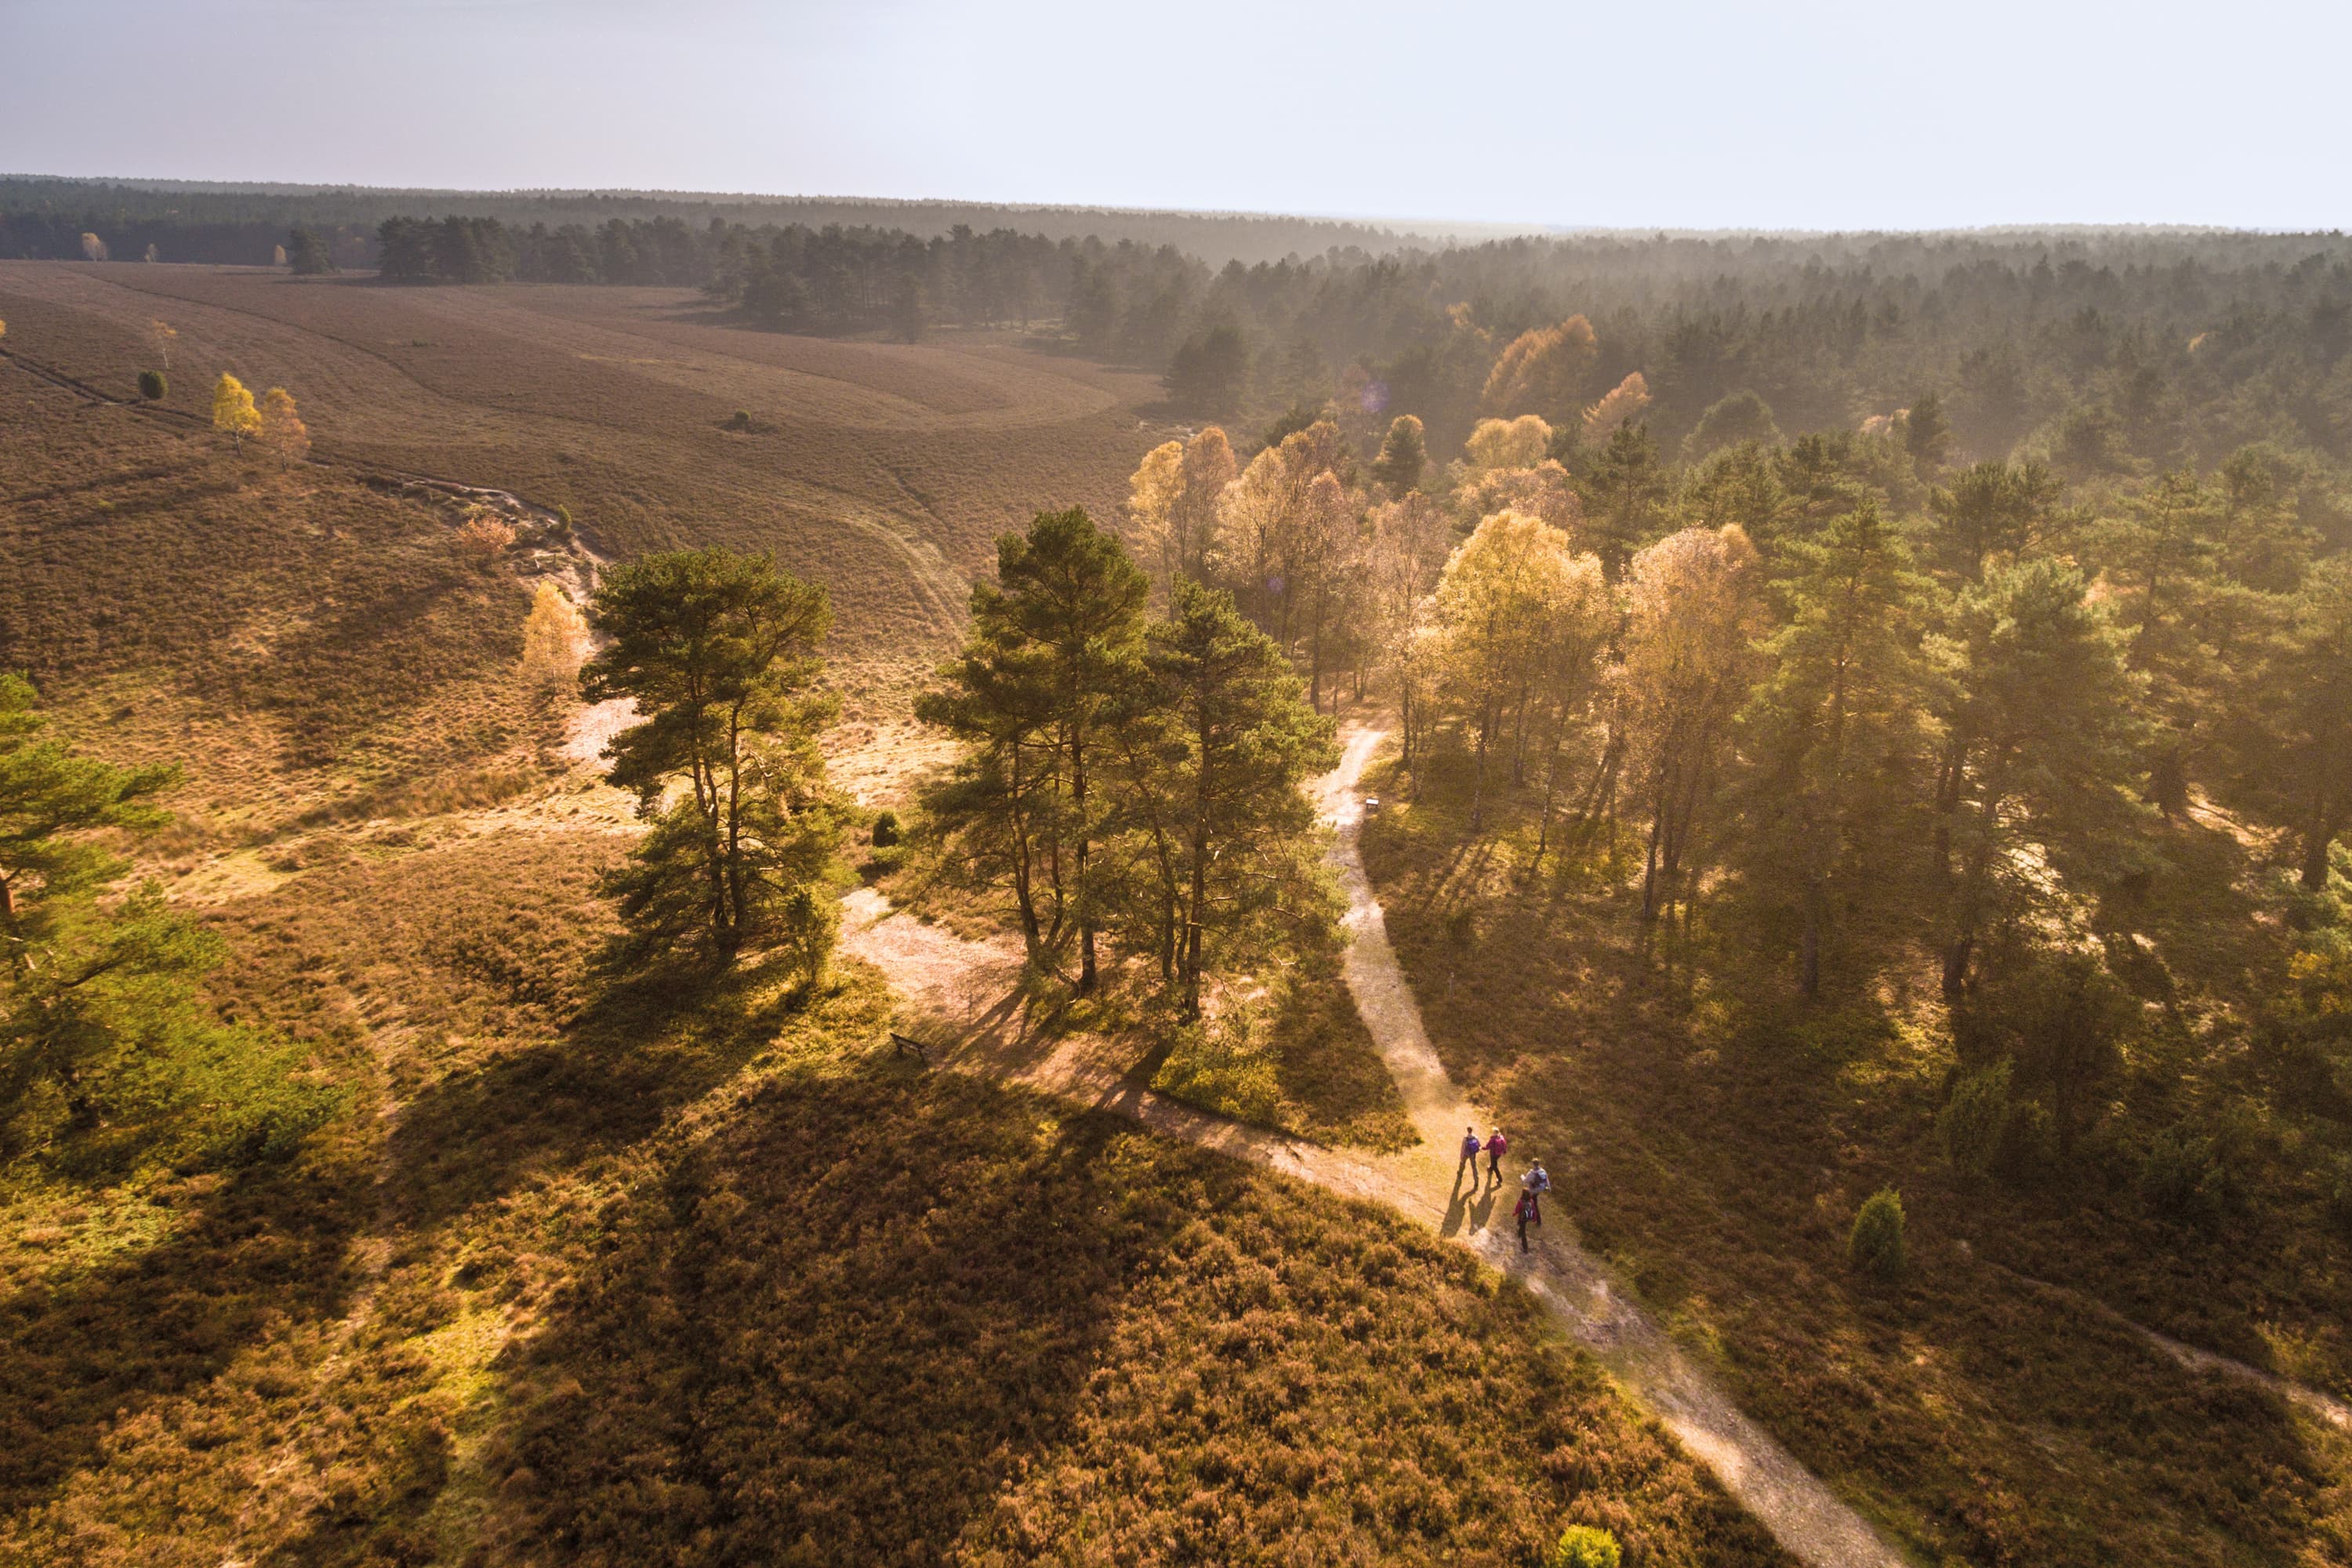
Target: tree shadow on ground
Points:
(649, 1042)
(266, 1247)
(834, 1330)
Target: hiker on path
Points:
(1496, 1145)
(1529, 1212)
(1470, 1147)
(1538, 1180)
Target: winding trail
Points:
(969, 988)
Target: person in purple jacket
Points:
(1469, 1161)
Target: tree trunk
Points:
(2315, 842)
(1957, 954)
(1809, 951)
(1948, 777)
(734, 828)
(1025, 893)
(2316, 837)
(1086, 900)
(1650, 862)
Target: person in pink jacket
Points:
(1497, 1146)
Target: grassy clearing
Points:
(306, 645)
(1716, 1138)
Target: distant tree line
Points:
(172, 213)
(2110, 353)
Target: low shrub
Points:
(484, 537)
(886, 829)
(2184, 1180)
(1975, 1123)
(1582, 1546)
(1876, 1246)
(152, 386)
(1217, 1070)
(809, 926)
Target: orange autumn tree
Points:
(1626, 401)
(282, 430)
(1172, 499)
(1694, 609)
(1544, 371)
(1508, 443)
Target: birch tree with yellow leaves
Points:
(1693, 612)
(1515, 600)
(234, 415)
(1172, 501)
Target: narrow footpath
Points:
(969, 989)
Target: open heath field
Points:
(884, 471)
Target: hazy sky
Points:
(1805, 113)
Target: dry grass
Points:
(632, 1271)
(943, 1323)
(887, 473)
(1716, 1138)
(649, 1268)
(302, 642)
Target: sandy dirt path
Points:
(967, 991)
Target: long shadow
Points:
(266, 1246)
(837, 1328)
(649, 1042)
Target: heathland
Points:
(472, 1318)
(1871, 717)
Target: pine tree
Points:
(100, 1025)
(2042, 716)
(1992, 508)
(2290, 722)
(1402, 455)
(1053, 641)
(1236, 743)
(1626, 492)
(1839, 713)
(307, 255)
(1927, 432)
(720, 653)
